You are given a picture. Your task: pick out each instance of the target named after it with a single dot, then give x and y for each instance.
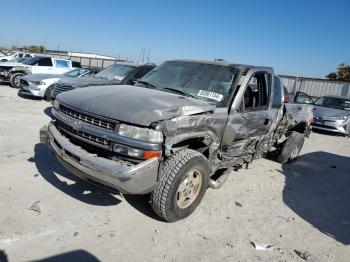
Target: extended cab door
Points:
(252, 115)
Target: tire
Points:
(291, 148)
(47, 95)
(14, 80)
(174, 176)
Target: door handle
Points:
(266, 121)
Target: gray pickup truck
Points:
(178, 131)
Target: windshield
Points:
(116, 71)
(333, 102)
(208, 82)
(76, 72)
(31, 61)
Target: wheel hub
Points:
(189, 188)
(17, 80)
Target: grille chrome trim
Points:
(108, 125)
(82, 134)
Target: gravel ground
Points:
(47, 212)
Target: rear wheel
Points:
(183, 181)
(15, 80)
(291, 147)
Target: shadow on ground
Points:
(28, 96)
(48, 111)
(317, 188)
(51, 170)
(76, 255)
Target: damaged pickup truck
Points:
(178, 131)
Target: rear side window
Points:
(62, 63)
(45, 61)
(76, 64)
(27, 55)
(277, 93)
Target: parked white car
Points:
(40, 85)
(13, 71)
(14, 56)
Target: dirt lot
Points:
(303, 206)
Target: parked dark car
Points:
(117, 74)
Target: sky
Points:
(297, 37)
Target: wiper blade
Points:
(179, 92)
(147, 84)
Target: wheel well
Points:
(193, 143)
(300, 128)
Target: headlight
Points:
(340, 117)
(138, 133)
(56, 104)
(38, 83)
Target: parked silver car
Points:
(332, 113)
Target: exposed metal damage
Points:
(140, 139)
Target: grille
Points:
(60, 87)
(325, 126)
(88, 136)
(88, 119)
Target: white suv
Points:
(11, 71)
(15, 55)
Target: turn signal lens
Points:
(150, 154)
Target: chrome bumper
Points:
(119, 175)
(331, 126)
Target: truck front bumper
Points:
(118, 175)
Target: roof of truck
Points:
(223, 63)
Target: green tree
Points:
(342, 74)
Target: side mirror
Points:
(303, 98)
(132, 81)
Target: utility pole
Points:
(149, 50)
(17, 42)
(44, 44)
(143, 55)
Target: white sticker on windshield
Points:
(211, 95)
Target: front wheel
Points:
(183, 181)
(15, 80)
(47, 95)
(291, 148)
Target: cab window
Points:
(45, 61)
(257, 93)
(62, 63)
(277, 93)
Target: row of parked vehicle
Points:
(172, 130)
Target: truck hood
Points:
(89, 81)
(133, 104)
(39, 77)
(325, 112)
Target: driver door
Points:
(252, 118)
